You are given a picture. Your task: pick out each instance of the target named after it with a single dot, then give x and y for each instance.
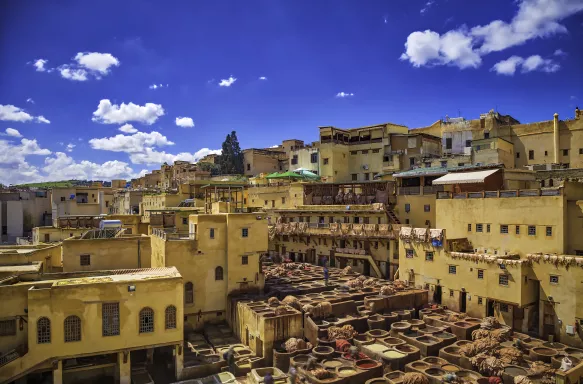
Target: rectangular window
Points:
(314, 158)
(503, 307)
(185, 220)
(356, 220)
(518, 229)
(480, 274)
(531, 230)
(110, 319)
(353, 152)
(487, 227)
(469, 227)
(549, 231)
(364, 152)
(503, 280)
(85, 260)
(366, 176)
(554, 279)
(518, 155)
(468, 143)
(531, 155)
(448, 143)
(427, 208)
(8, 327)
(412, 161)
(366, 220)
(62, 198)
(245, 232)
(245, 260)
(479, 228)
(325, 161)
(409, 253)
(452, 269)
(443, 164)
(486, 135)
(450, 293)
(480, 300)
(283, 200)
(354, 177)
(248, 167)
(376, 150)
(504, 229)
(429, 256)
(212, 233)
(581, 151)
(427, 164)
(407, 207)
(565, 152)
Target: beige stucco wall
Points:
(417, 217)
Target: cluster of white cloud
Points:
(156, 86)
(150, 156)
(130, 143)
(108, 113)
(184, 122)
(12, 132)
(70, 147)
(344, 94)
(262, 78)
(464, 47)
(127, 128)
(85, 65)
(227, 82)
(11, 113)
(531, 63)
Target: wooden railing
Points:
(500, 194)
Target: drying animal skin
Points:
(292, 302)
(345, 332)
(415, 378)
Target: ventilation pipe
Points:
(556, 136)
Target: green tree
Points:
(231, 159)
(214, 169)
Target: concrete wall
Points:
(541, 211)
(417, 216)
(54, 234)
(105, 254)
(15, 219)
(50, 255)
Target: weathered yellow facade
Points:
(65, 319)
(219, 255)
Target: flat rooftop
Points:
(49, 280)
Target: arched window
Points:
(170, 317)
(219, 273)
(43, 331)
(188, 293)
(72, 329)
(146, 320)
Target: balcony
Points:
(425, 190)
(501, 194)
(334, 230)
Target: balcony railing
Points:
(335, 229)
(500, 194)
(425, 190)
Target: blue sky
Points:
(72, 73)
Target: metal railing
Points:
(500, 194)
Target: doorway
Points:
(489, 308)
(463, 296)
(437, 294)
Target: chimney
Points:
(556, 137)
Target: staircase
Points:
(20, 366)
(393, 219)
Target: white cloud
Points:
(344, 94)
(12, 132)
(39, 64)
(30, 100)
(127, 128)
(156, 86)
(560, 52)
(429, 48)
(227, 82)
(11, 154)
(12, 113)
(70, 147)
(508, 66)
(108, 113)
(427, 6)
(274, 146)
(63, 167)
(75, 74)
(131, 144)
(464, 47)
(531, 63)
(537, 63)
(184, 122)
(95, 61)
(42, 119)
(262, 78)
(151, 156)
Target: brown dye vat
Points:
(434, 360)
(435, 372)
(452, 350)
(417, 323)
(462, 324)
(395, 377)
(332, 363)
(405, 348)
(376, 381)
(515, 371)
(391, 341)
(574, 352)
(554, 345)
(346, 371)
(545, 351)
(466, 375)
(299, 360)
(366, 364)
(427, 340)
(420, 365)
(461, 343)
(450, 368)
(377, 333)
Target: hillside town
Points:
(449, 253)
